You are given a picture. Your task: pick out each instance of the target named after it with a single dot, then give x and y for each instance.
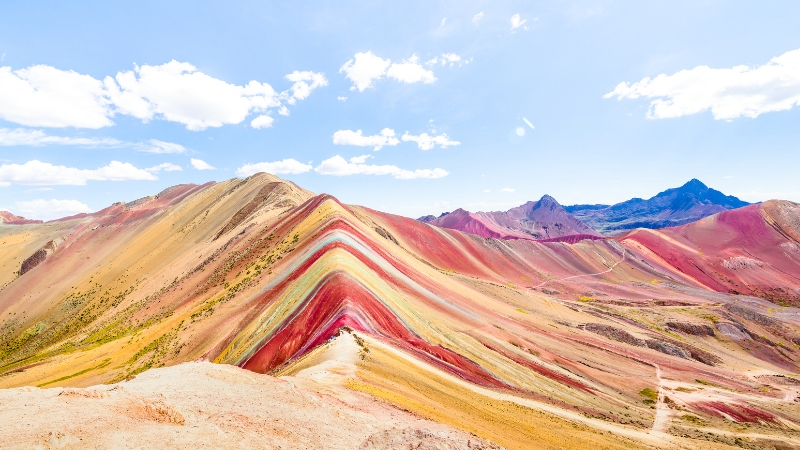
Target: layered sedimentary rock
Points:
(526, 344)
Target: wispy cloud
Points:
(40, 173)
(37, 138)
(386, 137)
(160, 147)
(448, 58)
(426, 142)
(339, 166)
(478, 17)
(278, 167)
(19, 137)
(166, 167)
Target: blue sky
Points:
(112, 101)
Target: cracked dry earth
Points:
(204, 405)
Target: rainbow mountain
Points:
(685, 337)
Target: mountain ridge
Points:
(513, 340)
(542, 219)
(672, 207)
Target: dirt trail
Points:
(662, 411)
(624, 253)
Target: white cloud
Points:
(277, 167)
(260, 122)
(44, 96)
(387, 137)
(35, 138)
(166, 167)
(304, 83)
(199, 164)
(507, 190)
(178, 92)
(446, 58)
(364, 69)
(27, 137)
(487, 190)
(478, 17)
(341, 98)
(360, 159)
(51, 209)
(443, 22)
(517, 22)
(728, 93)
(160, 147)
(451, 58)
(426, 142)
(340, 167)
(39, 173)
(410, 71)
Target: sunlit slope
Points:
(752, 250)
(115, 275)
(261, 274)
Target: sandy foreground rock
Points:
(205, 405)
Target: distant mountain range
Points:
(688, 203)
(546, 219)
(543, 219)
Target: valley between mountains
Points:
(680, 337)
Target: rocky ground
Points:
(204, 405)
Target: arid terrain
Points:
(361, 329)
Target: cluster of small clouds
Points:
(388, 137)
(286, 166)
(448, 58)
(339, 166)
(43, 96)
(365, 68)
(729, 93)
(356, 166)
(516, 21)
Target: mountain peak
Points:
(693, 185)
(546, 199)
